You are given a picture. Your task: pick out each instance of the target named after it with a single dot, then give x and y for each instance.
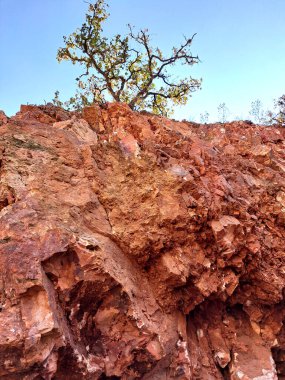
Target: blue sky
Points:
(240, 43)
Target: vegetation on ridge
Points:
(125, 68)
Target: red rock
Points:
(3, 118)
(136, 247)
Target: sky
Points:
(240, 44)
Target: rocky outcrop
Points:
(136, 247)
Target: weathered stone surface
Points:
(3, 118)
(136, 247)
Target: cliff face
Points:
(136, 247)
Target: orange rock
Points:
(137, 247)
(3, 118)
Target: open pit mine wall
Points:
(137, 247)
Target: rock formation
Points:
(136, 247)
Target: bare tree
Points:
(223, 112)
(204, 117)
(257, 112)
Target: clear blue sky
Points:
(241, 44)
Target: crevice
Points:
(7, 197)
(78, 301)
(225, 372)
(68, 360)
(278, 355)
(2, 160)
(92, 247)
(4, 203)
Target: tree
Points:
(278, 116)
(223, 112)
(257, 112)
(204, 117)
(125, 68)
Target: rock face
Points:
(136, 247)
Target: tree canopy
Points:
(126, 68)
